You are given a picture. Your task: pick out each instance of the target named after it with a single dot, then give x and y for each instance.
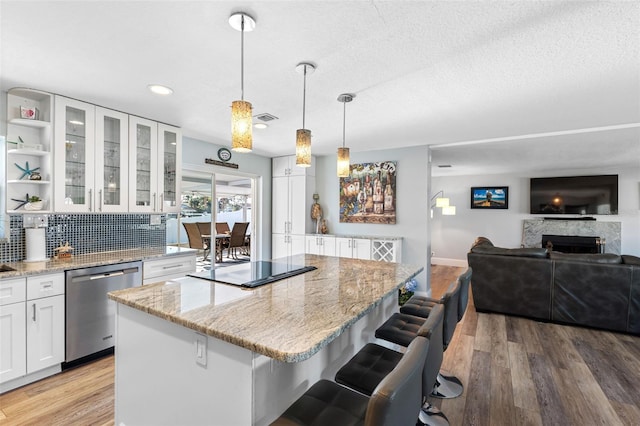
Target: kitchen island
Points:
(190, 351)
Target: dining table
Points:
(220, 240)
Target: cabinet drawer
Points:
(40, 286)
(12, 291)
(168, 267)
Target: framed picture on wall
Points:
(368, 194)
(490, 197)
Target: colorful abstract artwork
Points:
(368, 194)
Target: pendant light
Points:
(303, 136)
(241, 111)
(343, 153)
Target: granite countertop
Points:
(88, 260)
(288, 320)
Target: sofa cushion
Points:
(630, 260)
(608, 258)
(519, 252)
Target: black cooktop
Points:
(253, 274)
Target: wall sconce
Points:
(443, 203)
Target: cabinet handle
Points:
(162, 201)
(155, 207)
(100, 199)
(34, 312)
(90, 200)
(172, 266)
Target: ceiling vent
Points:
(266, 117)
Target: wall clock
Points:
(224, 154)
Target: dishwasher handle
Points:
(106, 275)
(109, 274)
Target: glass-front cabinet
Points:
(112, 150)
(170, 157)
(143, 165)
(74, 155)
(90, 158)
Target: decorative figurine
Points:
(324, 229)
(21, 202)
(26, 171)
(64, 251)
(316, 212)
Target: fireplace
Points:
(573, 243)
(534, 229)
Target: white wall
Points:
(411, 202)
(452, 236)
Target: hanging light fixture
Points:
(241, 111)
(343, 153)
(303, 136)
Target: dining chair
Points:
(237, 238)
(195, 238)
(222, 228)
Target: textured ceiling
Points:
(424, 72)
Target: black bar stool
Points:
(374, 362)
(396, 400)
(401, 328)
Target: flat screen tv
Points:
(575, 195)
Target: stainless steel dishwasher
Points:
(90, 315)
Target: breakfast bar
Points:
(193, 351)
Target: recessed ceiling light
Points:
(159, 89)
(260, 126)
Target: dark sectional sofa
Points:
(594, 290)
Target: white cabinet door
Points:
(13, 342)
(143, 165)
(298, 202)
(280, 166)
(343, 247)
(280, 205)
(279, 245)
(361, 248)
(111, 161)
(328, 245)
(357, 248)
(296, 243)
(45, 332)
(170, 161)
(312, 244)
(321, 244)
(74, 155)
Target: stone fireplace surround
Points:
(533, 229)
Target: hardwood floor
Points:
(515, 371)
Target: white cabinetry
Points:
(168, 267)
(154, 166)
(357, 248)
(13, 335)
(284, 245)
(32, 332)
(321, 244)
(29, 141)
(292, 190)
(170, 160)
(90, 158)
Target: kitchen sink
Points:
(5, 268)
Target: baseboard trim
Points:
(449, 262)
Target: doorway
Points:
(215, 198)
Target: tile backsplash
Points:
(89, 233)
